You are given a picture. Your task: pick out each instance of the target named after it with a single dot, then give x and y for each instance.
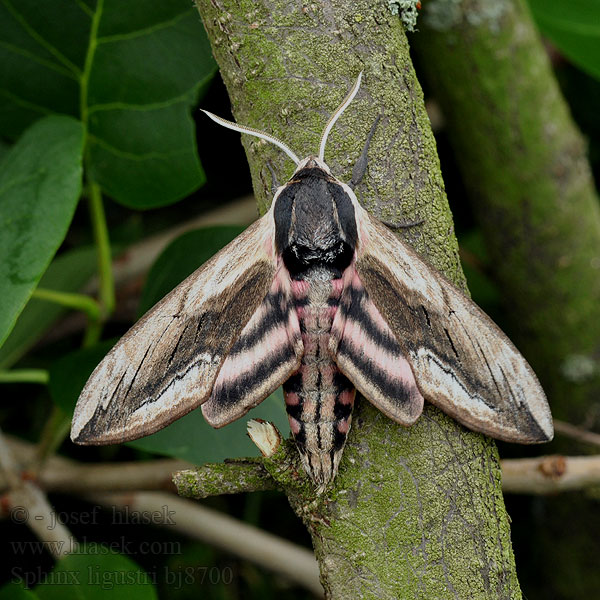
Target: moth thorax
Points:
(309, 262)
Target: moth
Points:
(322, 298)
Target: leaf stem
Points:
(80, 302)
(24, 376)
(105, 274)
(56, 429)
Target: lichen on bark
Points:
(416, 512)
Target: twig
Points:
(189, 518)
(232, 477)
(63, 475)
(549, 474)
(24, 376)
(27, 504)
(521, 475)
(577, 433)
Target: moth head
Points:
(300, 164)
(312, 162)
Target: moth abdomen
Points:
(319, 397)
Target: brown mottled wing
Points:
(461, 360)
(167, 363)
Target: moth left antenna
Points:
(254, 132)
(336, 115)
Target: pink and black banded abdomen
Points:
(319, 397)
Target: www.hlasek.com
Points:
(83, 546)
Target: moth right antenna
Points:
(336, 115)
(254, 132)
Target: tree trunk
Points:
(416, 512)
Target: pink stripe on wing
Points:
(395, 366)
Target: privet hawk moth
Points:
(322, 298)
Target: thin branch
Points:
(80, 478)
(576, 433)
(520, 475)
(24, 376)
(549, 474)
(60, 474)
(75, 301)
(224, 478)
(194, 520)
(98, 218)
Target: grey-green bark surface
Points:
(524, 164)
(417, 512)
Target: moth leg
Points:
(360, 168)
(274, 181)
(404, 225)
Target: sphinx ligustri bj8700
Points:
(323, 298)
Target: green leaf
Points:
(574, 27)
(15, 591)
(130, 72)
(97, 574)
(181, 258)
(40, 183)
(66, 273)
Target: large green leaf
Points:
(15, 590)
(574, 27)
(131, 71)
(68, 272)
(40, 183)
(95, 575)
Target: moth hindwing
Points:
(321, 297)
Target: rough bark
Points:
(524, 164)
(413, 513)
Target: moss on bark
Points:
(417, 512)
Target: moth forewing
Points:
(167, 363)
(462, 361)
